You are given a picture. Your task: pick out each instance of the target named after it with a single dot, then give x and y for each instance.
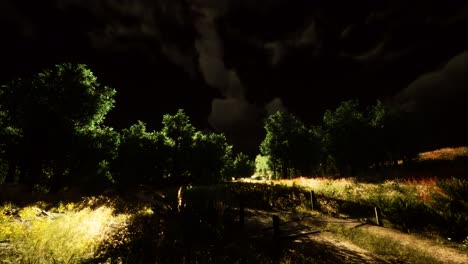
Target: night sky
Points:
(229, 63)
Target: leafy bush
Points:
(449, 203)
(243, 166)
(262, 168)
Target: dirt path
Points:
(443, 254)
(300, 236)
(306, 234)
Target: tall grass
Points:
(32, 235)
(412, 205)
(391, 250)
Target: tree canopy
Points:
(290, 145)
(48, 112)
(53, 134)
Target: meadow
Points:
(429, 206)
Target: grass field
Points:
(96, 229)
(159, 226)
(66, 233)
(431, 206)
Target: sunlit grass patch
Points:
(444, 154)
(31, 235)
(392, 250)
(427, 205)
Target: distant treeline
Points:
(348, 141)
(53, 136)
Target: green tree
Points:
(262, 166)
(242, 166)
(178, 154)
(48, 109)
(180, 134)
(345, 136)
(306, 152)
(401, 135)
(380, 135)
(292, 148)
(212, 159)
(10, 145)
(94, 149)
(356, 140)
(143, 156)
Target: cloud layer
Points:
(257, 57)
(443, 90)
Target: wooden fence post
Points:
(378, 218)
(312, 200)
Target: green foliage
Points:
(195, 156)
(262, 168)
(67, 94)
(71, 92)
(212, 159)
(349, 141)
(377, 115)
(400, 137)
(356, 140)
(178, 154)
(143, 156)
(291, 147)
(178, 129)
(93, 150)
(44, 114)
(11, 136)
(180, 133)
(406, 213)
(346, 136)
(242, 166)
(449, 203)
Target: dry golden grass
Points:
(69, 233)
(444, 154)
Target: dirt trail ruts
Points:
(306, 233)
(308, 239)
(443, 254)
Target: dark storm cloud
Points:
(439, 99)
(146, 26)
(229, 113)
(306, 36)
(12, 16)
(443, 90)
(210, 49)
(275, 105)
(259, 54)
(233, 111)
